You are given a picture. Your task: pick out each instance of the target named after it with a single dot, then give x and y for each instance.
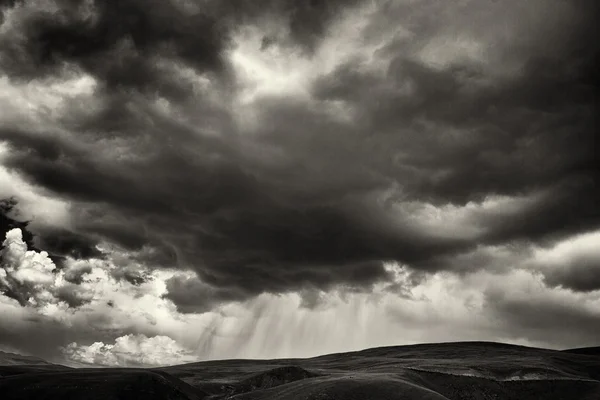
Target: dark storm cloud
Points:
(191, 295)
(6, 5)
(73, 295)
(301, 204)
(9, 3)
(130, 275)
(120, 42)
(566, 208)
(582, 277)
(8, 221)
(62, 242)
(512, 138)
(538, 319)
(74, 172)
(575, 265)
(307, 21)
(114, 41)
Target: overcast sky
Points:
(214, 179)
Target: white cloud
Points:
(34, 294)
(131, 350)
(25, 275)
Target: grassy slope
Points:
(446, 371)
(456, 371)
(590, 351)
(97, 384)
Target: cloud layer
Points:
(213, 153)
(116, 322)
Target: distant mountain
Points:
(18, 359)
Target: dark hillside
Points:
(444, 371)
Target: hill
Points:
(443, 371)
(18, 359)
(97, 384)
(590, 351)
(12, 364)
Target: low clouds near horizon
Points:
(103, 319)
(300, 159)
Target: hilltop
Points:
(443, 371)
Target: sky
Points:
(190, 180)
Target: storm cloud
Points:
(277, 147)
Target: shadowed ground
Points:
(451, 371)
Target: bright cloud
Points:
(131, 350)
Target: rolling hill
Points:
(18, 359)
(445, 371)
